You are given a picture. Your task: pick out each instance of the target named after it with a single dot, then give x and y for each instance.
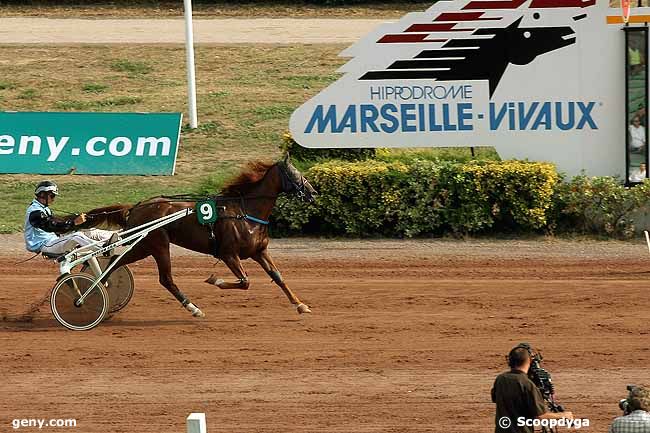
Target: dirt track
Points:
(405, 337)
(171, 31)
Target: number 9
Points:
(206, 211)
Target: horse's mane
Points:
(252, 173)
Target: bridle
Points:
(290, 184)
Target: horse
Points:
(240, 232)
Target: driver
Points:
(41, 226)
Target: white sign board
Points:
(536, 79)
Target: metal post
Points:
(189, 49)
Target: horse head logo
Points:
(525, 44)
(480, 53)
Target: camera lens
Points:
(623, 405)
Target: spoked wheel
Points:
(119, 285)
(66, 305)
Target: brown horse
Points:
(240, 232)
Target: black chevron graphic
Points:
(480, 58)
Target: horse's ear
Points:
(286, 157)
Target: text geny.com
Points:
(95, 146)
(40, 423)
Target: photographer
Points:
(517, 396)
(636, 418)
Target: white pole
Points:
(196, 423)
(189, 49)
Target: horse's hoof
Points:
(302, 309)
(196, 312)
(211, 280)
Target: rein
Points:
(298, 187)
(177, 199)
(185, 197)
(244, 215)
(256, 220)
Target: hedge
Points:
(424, 198)
(421, 198)
(599, 205)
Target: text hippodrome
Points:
(391, 118)
(406, 93)
(94, 147)
(444, 108)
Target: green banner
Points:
(89, 143)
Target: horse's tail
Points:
(115, 216)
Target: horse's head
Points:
(526, 43)
(294, 182)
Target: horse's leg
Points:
(160, 253)
(138, 253)
(234, 264)
(264, 259)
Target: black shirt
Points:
(44, 220)
(516, 396)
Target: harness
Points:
(244, 215)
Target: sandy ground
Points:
(406, 336)
(171, 31)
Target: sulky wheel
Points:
(66, 305)
(119, 285)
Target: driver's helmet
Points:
(46, 186)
